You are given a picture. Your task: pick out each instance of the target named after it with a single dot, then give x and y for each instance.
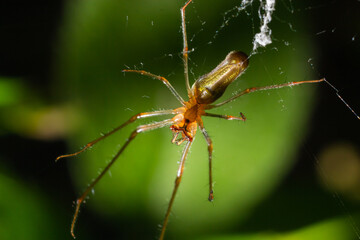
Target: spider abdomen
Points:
(211, 86)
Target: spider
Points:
(188, 117)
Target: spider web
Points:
(337, 35)
(322, 37)
(265, 11)
(286, 41)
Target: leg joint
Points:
(177, 180)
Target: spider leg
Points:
(255, 89)
(227, 117)
(185, 49)
(177, 183)
(138, 130)
(164, 80)
(210, 150)
(132, 119)
(210, 145)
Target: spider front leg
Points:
(177, 183)
(132, 136)
(138, 130)
(132, 119)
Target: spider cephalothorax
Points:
(205, 91)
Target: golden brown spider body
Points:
(188, 118)
(205, 91)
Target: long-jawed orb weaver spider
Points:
(187, 118)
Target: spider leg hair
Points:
(132, 119)
(139, 129)
(164, 80)
(255, 89)
(177, 183)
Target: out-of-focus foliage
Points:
(26, 213)
(333, 229)
(10, 92)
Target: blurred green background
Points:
(291, 171)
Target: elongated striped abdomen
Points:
(211, 86)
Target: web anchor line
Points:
(337, 94)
